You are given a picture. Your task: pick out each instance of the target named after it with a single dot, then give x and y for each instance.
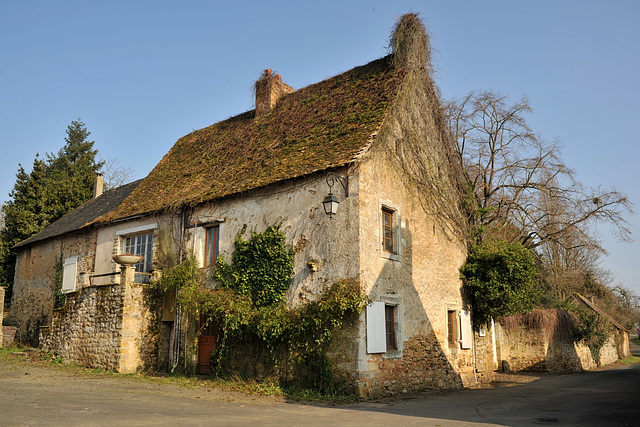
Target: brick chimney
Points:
(98, 185)
(268, 89)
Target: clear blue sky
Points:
(141, 74)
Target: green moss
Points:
(314, 128)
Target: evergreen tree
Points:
(54, 187)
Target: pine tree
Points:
(54, 187)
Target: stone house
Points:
(373, 137)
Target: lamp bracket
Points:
(344, 181)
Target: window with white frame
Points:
(140, 244)
(69, 274)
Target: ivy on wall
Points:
(502, 279)
(254, 323)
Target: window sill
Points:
(392, 354)
(390, 256)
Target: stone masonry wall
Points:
(87, 330)
(423, 366)
(531, 349)
(34, 282)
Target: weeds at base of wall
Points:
(259, 337)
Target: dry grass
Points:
(554, 323)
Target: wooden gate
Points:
(206, 342)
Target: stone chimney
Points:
(268, 89)
(98, 186)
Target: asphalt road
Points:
(38, 396)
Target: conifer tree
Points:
(54, 187)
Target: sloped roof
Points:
(84, 214)
(318, 127)
(600, 311)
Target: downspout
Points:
(175, 353)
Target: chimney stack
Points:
(99, 186)
(269, 88)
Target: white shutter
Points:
(376, 337)
(69, 274)
(466, 338)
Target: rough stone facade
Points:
(534, 349)
(35, 280)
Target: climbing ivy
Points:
(501, 278)
(60, 298)
(590, 330)
(262, 267)
(253, 320)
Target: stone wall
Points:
(534, 349)
(423, 366)
(87, 330)
(106, 326)
(34, 282)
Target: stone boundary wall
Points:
(8, 335)
(532, 349)
(86, 331)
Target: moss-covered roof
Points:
(321, 126)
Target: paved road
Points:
(605, 398)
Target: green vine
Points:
(501, 278)
(259, 335)
(262, 267)
(60, 299)
(590, 330)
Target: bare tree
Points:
(115, 175)
(518, 182)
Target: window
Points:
(211, 246)
(387, 230)
(390, 326)
(141, 244)
(69, 274)
(390, 228)
(384, 326)
(452, 330)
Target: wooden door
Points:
(206, 342)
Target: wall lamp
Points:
(330, 202)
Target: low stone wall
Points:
(8, 335)
(105, 327)
(534, 349)
(87, 330)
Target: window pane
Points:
(141, 245)
(390, 326)
(211, 246)
(387, 231)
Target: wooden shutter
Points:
(376, 336)
(69, 274)
(466, 334)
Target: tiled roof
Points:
(321, 126)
